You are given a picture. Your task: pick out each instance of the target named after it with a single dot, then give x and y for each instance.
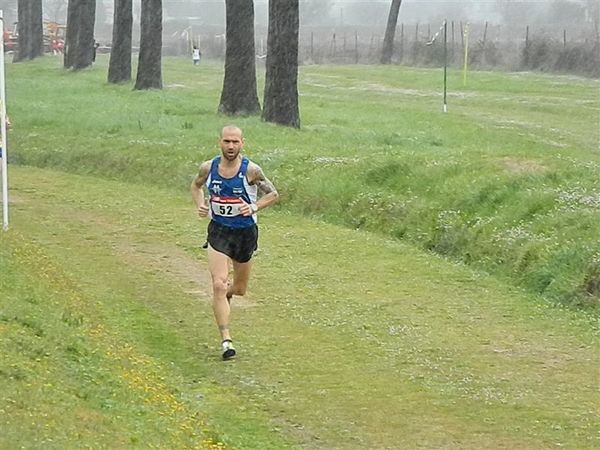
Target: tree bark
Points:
(390, 32)
(72, 33)
(37, 29)
(79, 42)
(23, 13)
(31, 34)
(281, 81)
(149, 73)
(84, 54)
(119, 67)
(239, 94)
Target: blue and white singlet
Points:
(226, 195)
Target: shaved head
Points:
(231, 142)
(231, 129)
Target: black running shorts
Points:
(237, 243)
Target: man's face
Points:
(231, 144)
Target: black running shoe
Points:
(228, 350)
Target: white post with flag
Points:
(443, 28)
(466, 64)
(3, 129)
(445, 65)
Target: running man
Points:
(234, 185)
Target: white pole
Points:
(445, 65)
(3, 129)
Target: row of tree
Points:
(239, 94)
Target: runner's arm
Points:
(267, 190)
(197, 186)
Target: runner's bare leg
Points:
(241, 275)
(218, 265)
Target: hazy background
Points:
(545, 35)
(180, 14)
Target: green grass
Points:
(507, 181)
(87, 361)
(108, 338)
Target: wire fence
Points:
(574, 49)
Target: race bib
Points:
(226, 206)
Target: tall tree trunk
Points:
(119, 67)
(23, 45)
(239, 95)
(149, 73)
(37, 29)
(79, 43)
(31, 39)
(72, 33)
(390, 32)
(281, 82)
(84, 54)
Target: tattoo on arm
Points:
(202, 176)
(263, 183)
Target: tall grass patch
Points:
(507, 181)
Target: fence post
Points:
(485, 33)
(526, 49)
(564, 38)
(401, 57)
(416, 43)
(312, 46)
(453, 43)
(483, 49)
(333, 46)
(355, 47)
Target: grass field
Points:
(349, 338)
(507, 181)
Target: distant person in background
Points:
(196, 55)
(55, 49)
(234, 184)
(96, 45)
